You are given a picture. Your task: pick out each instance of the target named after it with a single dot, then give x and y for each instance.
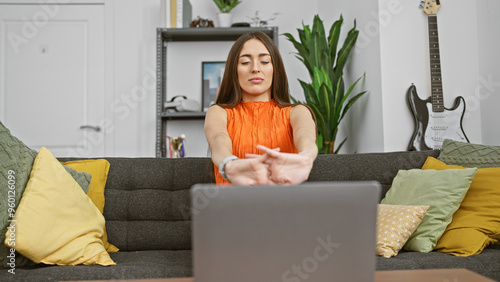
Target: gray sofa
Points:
(147, 215)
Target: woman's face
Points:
(255, 71)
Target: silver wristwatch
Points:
(222, 165)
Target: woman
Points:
(253, 114)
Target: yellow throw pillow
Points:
(99, 170)
(55, 222)
(476, 224)
(395, 224)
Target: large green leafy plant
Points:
(326, 94)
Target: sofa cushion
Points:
(395, 224)
(476, 224)
(154, 264)
(150, 198)
(56, 223)
(442, 190)
(469, 155)
(487, 263)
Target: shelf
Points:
(166, 35)
(211, 33)
(183, 115)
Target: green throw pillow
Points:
(442, 190)
(82, 178)
(469, 155)
(16, 160)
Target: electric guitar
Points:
(433, 122)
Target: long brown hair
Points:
(230, 91)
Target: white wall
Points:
(133, 71)
(487, 89)
(392, 49)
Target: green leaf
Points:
(350, 103)
(309, 93)
(319, 143)
(320, 42)
(305, 36)
(315, 50)
(344, 52)
(303, 53)
(337, 101)
(319, 119)
(333, 38)
(325, 105)
(340, 146)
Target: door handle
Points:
(95, 128)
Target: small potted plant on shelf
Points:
(225, 7)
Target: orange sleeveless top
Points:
(258, 123)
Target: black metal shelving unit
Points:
(165, 35)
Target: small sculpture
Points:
(176, 145)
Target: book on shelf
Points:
(176, 13)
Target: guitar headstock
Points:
(430, 6)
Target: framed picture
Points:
(211, 77)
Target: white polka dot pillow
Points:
(395, 224)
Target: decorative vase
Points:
(225, 19)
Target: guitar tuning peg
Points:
(421, 4)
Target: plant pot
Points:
(225, 19)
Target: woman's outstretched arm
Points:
(216, 132)
(286, 168)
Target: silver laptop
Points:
(317, 231)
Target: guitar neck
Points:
(435, 63)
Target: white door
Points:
(52, 76)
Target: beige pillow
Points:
(395, 224)
(56, 223)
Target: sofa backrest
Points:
(381, 167)
(148, 200)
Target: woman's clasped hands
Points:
(272, 167)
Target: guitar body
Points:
(432, 128)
